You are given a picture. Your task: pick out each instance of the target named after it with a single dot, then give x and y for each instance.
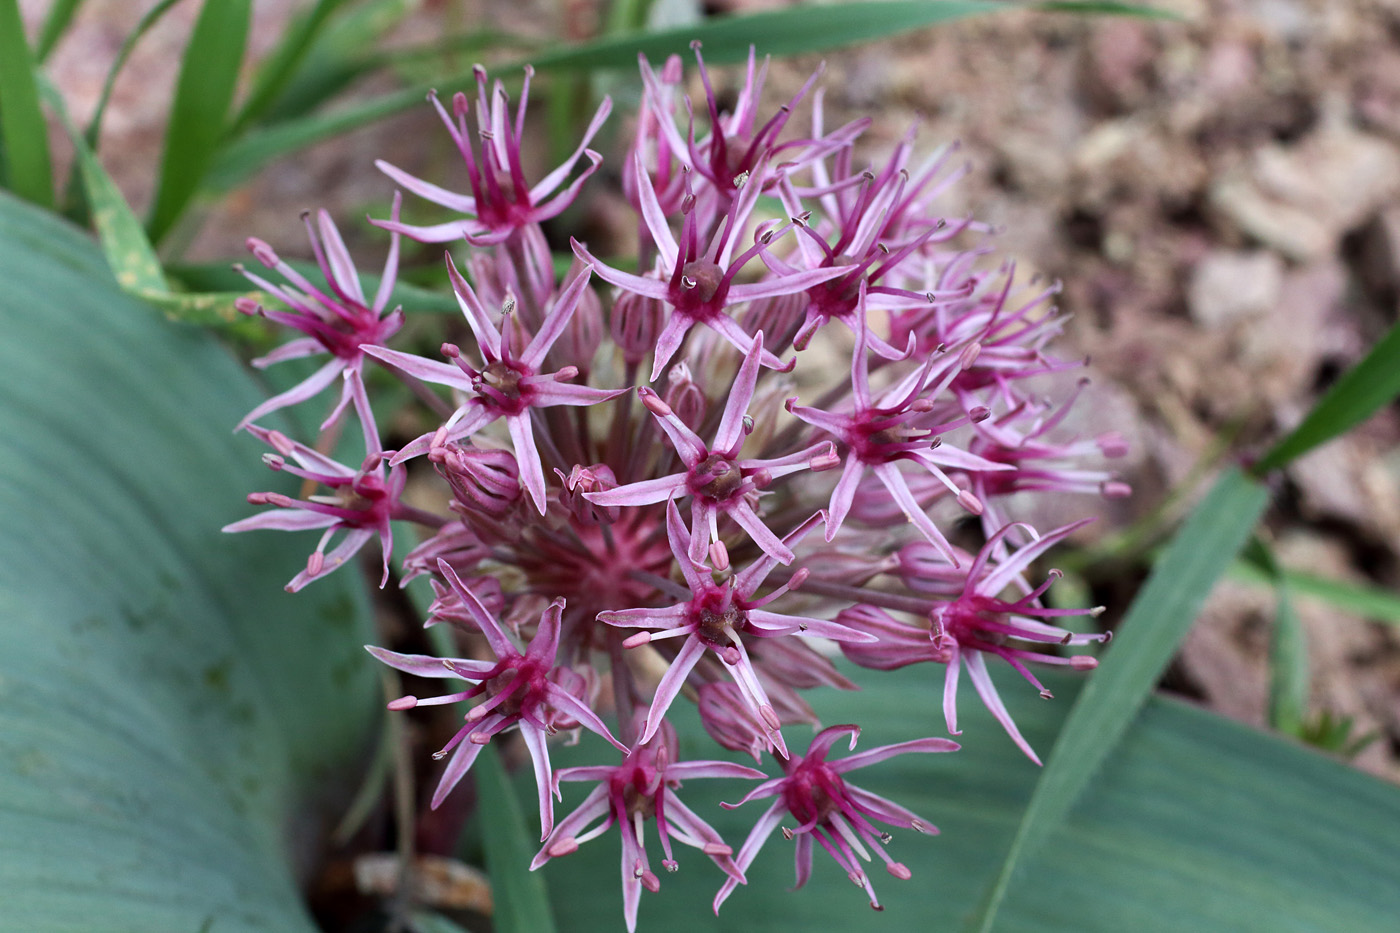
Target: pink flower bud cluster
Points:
(699, 476)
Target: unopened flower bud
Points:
(482, 480)
(581, 479)
(634, 324)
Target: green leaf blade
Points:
(521, 901)
(24, 138)
(1153, 628)
(199, 115)
(1355, 396)
(1193, 823)
(171, 718)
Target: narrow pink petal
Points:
(555, 178)
(539, 756)
(843, 495)
(490, 627)
(428, 191)
(555, 322)
(350, 545)
(391, 261)
(528, 457)
(593, 806)
(686, 770)
(888, 811)
(462, 760)
(950, 690)
(342, 267)
(283, 520)
(487, 335)
(549, 392)
(435, 233)
(668, 341)
(419, 367)
(884, 752)
(747, 519)
(670, 686)
(1009, 569)
(785, 285)
(977, 670)
(561, 201)
(566, 702)
(420, 665)
(645, 492)
(730, 436)
(654, 217)
(679, 539)
(663, 618)
(894, 481)
(291, 350)
(651, 288)
(307, 388)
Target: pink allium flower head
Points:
(835, 814)
(337, 320)
(522, 689)
(644, 787)
(502, 201)
(618, 559)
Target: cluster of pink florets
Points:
(686, 479)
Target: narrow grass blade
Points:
(282, 64)
(1288, 653)
(199, 116)
(153, 16)
(1371, 602)
(725, 39)
(790, 31)
(1353, 398)
(1148, 637)
(522, 903)
(129, 253)
(24, 139)
(55, 25)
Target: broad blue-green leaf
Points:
(1158, 620)
(199, 116)
(24, 140)
(176, 732)
(1192, 823)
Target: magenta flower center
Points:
(976, 618)
(876, 437)
(717, 617)
(716, 477)
(698, 294)
(517, 684)
(811, 790)
(500, 387)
